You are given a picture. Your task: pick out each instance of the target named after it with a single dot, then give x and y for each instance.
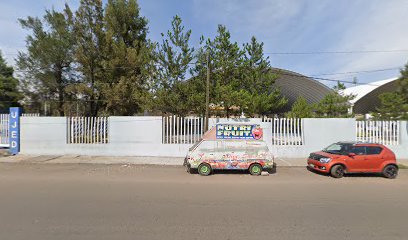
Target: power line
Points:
(338, 52)
(123, 67)
(356, 72)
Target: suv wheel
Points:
(337, 171)
(255, 169)
(204, 169)
(390, 171)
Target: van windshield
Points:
(195, 144)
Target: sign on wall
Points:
(235, 131)
(14, 130)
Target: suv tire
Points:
(337, 171)
(390, 171)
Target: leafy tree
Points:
(300, 109)
(335, 104)
(47, 65)
(90, 54)
(403, 84)
(173, 57)
(127, 55)
(9, 94)
(394, 105)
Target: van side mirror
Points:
(351, 154)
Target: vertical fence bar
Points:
(280, 131)
(184, 130)
(93, 130)
(382, 132)
(276, 124)
(195, 130)
(377, 129)
(189, 131)
(300, 135)
(106, 129)
(292, 129)
(75, 130)
(167, 129)
(82, 135)
(177, 129)
(173, 140)
(357, 130)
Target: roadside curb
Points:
(139, 160)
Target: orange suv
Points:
(354, 157)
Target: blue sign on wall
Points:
(14, 130)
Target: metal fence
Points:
(87, 130)
(286, 131)
(182, 130)
(384, 132)
(30, 115)
(4, 130)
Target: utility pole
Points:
(207, 92)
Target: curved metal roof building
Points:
(366, 99)
(294, 85)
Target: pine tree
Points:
(258, 80)
(173, 57)
(226, 60)
(391, 108)
(335, 104)
(394, 105)
(47, 65)
(9, 94)
(300, 109)
(126, 59)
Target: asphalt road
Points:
(67, 201)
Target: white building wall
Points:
(141, 136)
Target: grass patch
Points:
(402, 166)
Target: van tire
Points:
(204, 169)
(337, 171)
(255, 169)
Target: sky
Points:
(285, 26)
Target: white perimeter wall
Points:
(142, 136)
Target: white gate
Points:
(87, 130)
(4, 130)
(286, 131)
(182, 130)
(383, 132)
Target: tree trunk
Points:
(60, 90)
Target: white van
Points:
(230, 146)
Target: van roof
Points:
(239, 123)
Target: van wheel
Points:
(337, 171)
(255, 169)
(390, 171)
(204, 169)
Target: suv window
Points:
(358, 150)
(373, 150)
